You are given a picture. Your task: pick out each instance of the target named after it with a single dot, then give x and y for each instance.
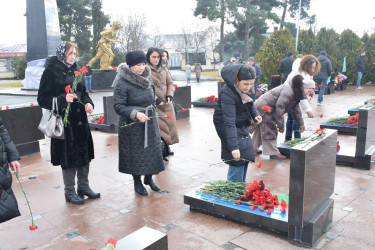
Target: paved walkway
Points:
(120, 211)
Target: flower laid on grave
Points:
(345, 121)
(262, 88)
(98, 119)
(168, 115)
(111, 244)
(182, 108)
(33, 226)
(338, 147)
(253, 194)
(72, 89)
(339, 79)
(208, 99)
(7, 107)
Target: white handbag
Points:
(51, 123)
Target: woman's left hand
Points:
(258, 119)
(88, 108)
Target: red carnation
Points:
(320, 85)
(338, 147)
(175, 85)
(31, 104)
(344, 125)
(265, 63)
(83, 70)
(184, 110)
(1, 108)
(283, 210)
(349, 121)
(113, 67)
(238, 203)
(112, 242)
(259, 165)
(68, 88)
(77, 73)
(269, 211)
(316, 87)
(33, 227)
(92, 121)
(266, 108)
(7, 107)
(252, 208)
(321, 116)
(220, 80)
(169, 116)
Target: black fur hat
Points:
(134, 57)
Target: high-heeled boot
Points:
(148, 181)
(83, 184)
(138, 187)
(69, 176)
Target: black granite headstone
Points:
(182, 100)
(22, 125)
(102, 79)
(110, 117)
(311, 183)
(43, 29)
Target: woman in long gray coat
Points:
(198, 70)
(280, 100)
(139, 138)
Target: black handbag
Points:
(51, 123)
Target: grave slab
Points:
(102, 79)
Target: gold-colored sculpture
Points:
(105, 53)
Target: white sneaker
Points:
(359, 88)
(319, 104)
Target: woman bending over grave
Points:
(233, 114)
(75, 152)
(280, 100)
(164, 90)
(139, 139)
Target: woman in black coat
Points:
(232, 117)
(139, 139)
(76, 150)
(8, 155)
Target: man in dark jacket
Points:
(360, 63)
(258, 75)
(322, 77)
(286, 65)
(8, 155)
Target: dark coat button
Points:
(79, 123)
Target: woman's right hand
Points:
(141, 117)
(70, 97)
(236, 154)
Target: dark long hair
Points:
(297, 87)
(152, 50)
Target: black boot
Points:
(83, 184)
(170, 152)
(165, 158)
(138, 187)
(148, 181)
(69, 176)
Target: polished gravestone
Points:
(310, 208)
(22, 125)
(102, 79)
(363, 154)
(110, 117)
(182, 100)
(144, 238)
(43, 29)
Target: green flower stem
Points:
(28, 203)
(130, 124)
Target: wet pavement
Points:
(120, 211)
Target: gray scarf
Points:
(60, 54)
(245, 97)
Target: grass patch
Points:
(214, 74)
(11, 85)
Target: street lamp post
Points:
(298, 18)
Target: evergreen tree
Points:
(292, 7)
(75, 23)
(272, 51)
(328, 40)
(233, 47)
(307, 42)
(251, 17)
(349, 46)
(369, 46)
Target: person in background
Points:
(88, 78)
(286, 65)
(75, 152)
(165, 58)
(198, 70)
(280, 100)
(139, 143)
(188, 73)
(309, 65)
(258, 75)
(360, 63)
(234, 113)
(164, 91)
(323, 75)
(9, 157)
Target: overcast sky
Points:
(170, 15)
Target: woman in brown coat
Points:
(164, 90)
(280, 100)
(198, 70)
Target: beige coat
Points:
(198, 70)
(164, 87)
